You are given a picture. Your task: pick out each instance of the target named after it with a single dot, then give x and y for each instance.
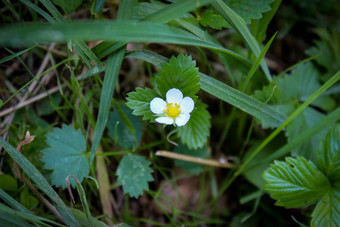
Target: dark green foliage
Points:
(123, 136)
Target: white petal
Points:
(182, 119)
(165, 120)
(174, 96)
(157, 105)
(187, 105)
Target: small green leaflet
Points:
(124, 138)
(68, 5)
(214, 20)
(295, 182)
(66, 155)
(328, 156)
(134, 174)
(191, 167)
(247, 9)
(139, 102)
(327, 212)
(180, 72)
(196, 132)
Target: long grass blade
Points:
(256, 64)
(112, 70)
(240, 26)
(126, 31)
(40, 182)
(16, 55)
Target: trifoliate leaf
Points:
(134, 174)
(179, 73)
(66, 155)
(124, 137)
(327, 212)
(139, 102)
(305, 120)
(328, 155)
(295, 182)
(191, 167)
(195, 133)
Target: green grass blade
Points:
(83, 200)
(256, 64)
(321, 125)
(112, 70)
(126, 31)
(12, 202)
(40, 182)
(38, 10)
(240, 26)
(15, 55)
(242, 101)
(242, 66)
(26, 215)
(222, 91)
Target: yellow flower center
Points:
(172, 110)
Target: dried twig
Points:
(210, 162)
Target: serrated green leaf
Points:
(191, 167)
(134, 174)
(124, 137)
(295, 182)
(327, 212)
(179, 73)
(139, 102)
(66, 155)
(196, 132)
(328, 155)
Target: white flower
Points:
(175, 110)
